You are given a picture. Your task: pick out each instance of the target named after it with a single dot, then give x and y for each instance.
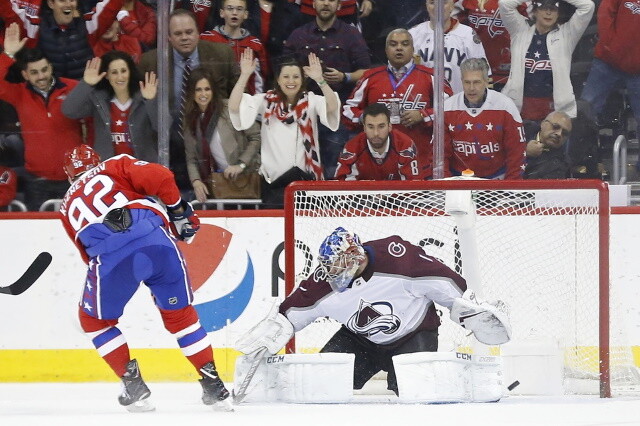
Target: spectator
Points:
(46, 132)
(201, 11)
(8, 185)
(380, 152)
(138, 20)
(539, 81)
(483, 129)
(349, 11)
(406, 89)
(617, 57)
(187, 53)
(211, 143)
(484, 18)
(289, 130)
(123, 106)
(345, 57)
(460, 43)
(546, 155)
(112, 39)
(63, 35)
(234, 13)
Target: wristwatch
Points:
(242, 165)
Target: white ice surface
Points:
(91, 404)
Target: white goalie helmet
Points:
(341, 254)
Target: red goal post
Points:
(540, 246)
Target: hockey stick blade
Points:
(31, 275)
(255, 362)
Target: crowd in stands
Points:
(306, 89)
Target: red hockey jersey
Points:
(117, 182)
(412, 92)
(489, 140)
(356, 162)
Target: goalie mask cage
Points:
(542, 247)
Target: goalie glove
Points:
(185, 224)
(488, 324)
(272, 333)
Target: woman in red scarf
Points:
(290, 116)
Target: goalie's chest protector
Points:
(396, 293)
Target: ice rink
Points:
(91, 404)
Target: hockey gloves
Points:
(184, 221)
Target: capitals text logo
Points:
(493, 23)
(407, 102)
(200, 5)
(373, 318)
(633, 7)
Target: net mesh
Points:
(537, 251)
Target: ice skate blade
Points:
(224, 405)
(140, 406)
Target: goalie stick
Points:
(242, 389)
(31, 275)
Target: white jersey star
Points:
(468, 125)
(119, 122)
(490, 126)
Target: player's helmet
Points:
(79, 160)
(341, 253)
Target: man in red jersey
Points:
(378, 153)
(126, 238)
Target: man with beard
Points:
(378, 153)
(46, 131)
(345, 57)
(546, 158)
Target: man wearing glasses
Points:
(546, 154)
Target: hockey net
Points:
(541, 247)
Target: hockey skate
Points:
(213, 390)
(134, 390)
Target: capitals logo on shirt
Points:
(373, 318)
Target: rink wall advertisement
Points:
(236, 266)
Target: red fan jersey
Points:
(120, 134)
(117, 182)
(414, 91)
(358, 162)
(489, 140)
(8, 185)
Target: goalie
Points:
(383, 292)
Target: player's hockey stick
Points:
(242, 389)
(30, 276)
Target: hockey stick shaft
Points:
(242, 390)
(30, 276)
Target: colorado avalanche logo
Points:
(396, 249)
(214, 249)
(373, 318)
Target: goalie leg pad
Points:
(299, 378)
(272, 333)
(448, 377)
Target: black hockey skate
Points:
(213, 390)
(134, 390)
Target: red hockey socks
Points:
(108, 340)
(184, 324)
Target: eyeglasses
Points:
(238, 9)
(556, 127)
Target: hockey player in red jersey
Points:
(383, 292)
(483, 129)
(378, 153)
(126, 237)
(406, 89)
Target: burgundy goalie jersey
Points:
(489, 140)
(393, 298)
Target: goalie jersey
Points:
(393, 298)
(121, 181)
